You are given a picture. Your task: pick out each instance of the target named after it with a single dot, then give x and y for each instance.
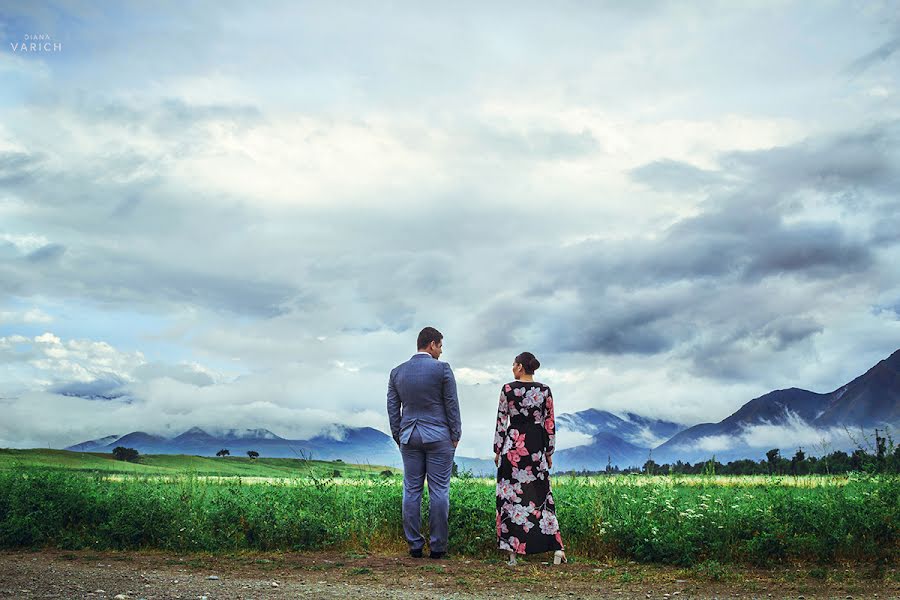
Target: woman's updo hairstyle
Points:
(528, 360)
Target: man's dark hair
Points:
(428, 335)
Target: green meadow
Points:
(51, 498)
(178, 465)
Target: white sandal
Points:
(559, 557)
(512, 559)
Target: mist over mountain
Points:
(796, 417)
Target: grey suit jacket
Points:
(422, 394)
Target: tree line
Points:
(882, 457)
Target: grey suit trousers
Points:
(433, 460)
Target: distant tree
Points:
(649, 467)
(223, 452)
(252, 453)
(387, 473)
(126, 454)
(454, 472)
(797, 462)
(772, 456)
(880, 451)
(335, 473)
(858, 460)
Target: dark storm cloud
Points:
(831, 164)
(813, 251)
(875, 57)
(791, 330)
(104, 388)
(94, 273)
(47, 253)
(607, 327)
(165, 117)
(17, 167)
(735, 242)
(675, 176)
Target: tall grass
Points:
(646, 519)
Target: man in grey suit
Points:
(424, 412)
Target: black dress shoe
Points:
(437, 555)
(415, 553)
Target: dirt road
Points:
(156, 575)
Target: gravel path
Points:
(160, 575)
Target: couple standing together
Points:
(423, 409)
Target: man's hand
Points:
(549, 461)
(455, 443)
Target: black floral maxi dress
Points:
(526, 515)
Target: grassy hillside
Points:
(175, 464)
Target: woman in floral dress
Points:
(523, 449)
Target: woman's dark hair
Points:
(527, 360)
(428, 335)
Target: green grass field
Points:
(179, 464)
(685, 520)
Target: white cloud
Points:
(646, 438)
(468, 376)
(25, 243)
(571, 439)
(32, 315)
(795, 432)
(715, 443)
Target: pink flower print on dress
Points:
(501, 526)
(518, 447)
(506, 388)
(533, 397)
(519, 392)
(549, 524)
(548, 426)
(508, 490)
(523, 475)
(517, 546)
(518, 514)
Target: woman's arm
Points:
(502, 424)
(549, 427)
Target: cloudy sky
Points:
(220, 215)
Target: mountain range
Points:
(871, 400)
(363, 445)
